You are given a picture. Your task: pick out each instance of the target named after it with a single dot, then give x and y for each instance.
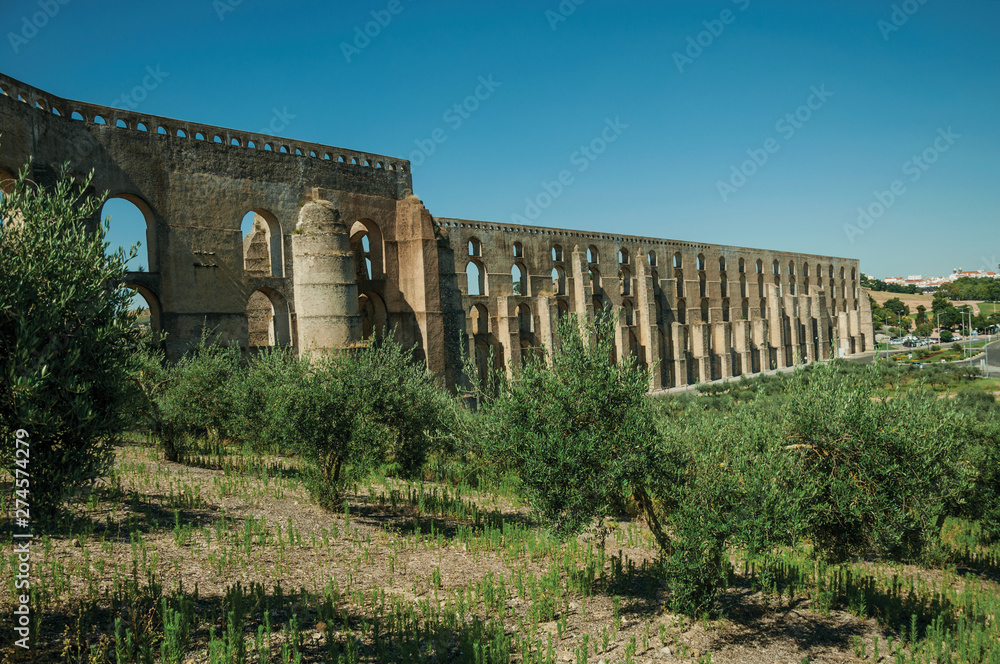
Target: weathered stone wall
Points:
(341, 249)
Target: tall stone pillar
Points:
(326, 294)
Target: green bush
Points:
(260, 398)
(356, 410)
(579, 434)
(190, 398)
(65, 338)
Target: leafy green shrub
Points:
(936, 348)
(65, 338)
(947, 336)
(260, 398)
(578, 434)
(191, 397)
(956, 347)
(355, 410)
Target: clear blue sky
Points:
(683, 125)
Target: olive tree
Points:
(65, 337)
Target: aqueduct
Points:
(341, 249)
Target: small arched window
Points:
(475, 248)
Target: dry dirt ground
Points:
(374, 547)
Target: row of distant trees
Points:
(896, 314)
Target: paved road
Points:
(992, 370)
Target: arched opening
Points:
(791, 268)
(701, 261)
(629, 313)
(518, 250)
(725, 310)
(475, 248)
(625, 277)
(593, 255)
(775, 268)
(702, 285)
(130, 223)
(760, 286)
(678, 260)
(595, 279)
(524, 320)
(763, 307)
(562, 309)
(623, 256)
(262, 244)
(558, 280)
(267, 319)
(760, 266)
(704, 310)
(745, 310)
(374, 317)
(791, 285)
(722, 264)
(743, 285)
(480, 319)
(743, 266)
(679, 279)
(366, 245)
(724, 284)
(681, 312)
(557, 252)
(651, 257)
(805, 286)
(475, 273)
(519, 279)
(147, 308)
(482, 361)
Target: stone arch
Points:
(374, 315)
(742, 266)
(480, 319)
(519, 279)
(805, 286)
(701, 262)
(518, 249)
(760, 266)
(132, 211)
(263, 245)
(760, 286)
(476, 275)
(628, 312)
(483, 362)
(745, 309)
(366, 244)
(595, 278)
(775, 268)
(267, 319)
(562, 309)
(557, 252)
(705, 311)
(702, 284)
(651, 257)
(152, 303)
(625, 277)
(475, 247)
(791, 268)
(743, 285)
(678, 261)
(681, 312)
(623, 256)
(525, 321)
(722, 263)
(763, 307)
(725, 310)
(679, 279)
(558, 280)
(593, 255)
